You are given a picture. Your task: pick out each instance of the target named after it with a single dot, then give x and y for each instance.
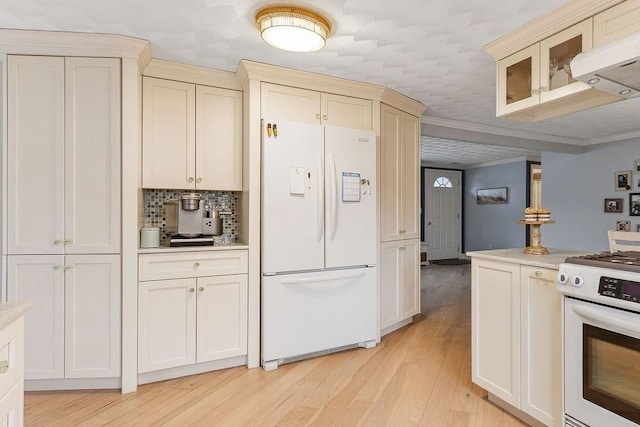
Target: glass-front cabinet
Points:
(542, 72)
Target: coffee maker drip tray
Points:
(200, 240)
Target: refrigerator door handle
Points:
(320, 208)
(321, 279)
(334, 195)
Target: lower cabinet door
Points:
(92, 316)
(166, 324)
(541, 345)
(410, 276)
(222, 317)
(390, 284)
(399, 281)
(12, 406)
(495, 328)
(40, 279)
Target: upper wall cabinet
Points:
(315, 107)
(63, 151)
(540, 75)
(616, 22)
(534, 80)
(192, 136)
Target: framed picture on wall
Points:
(613, 205)
(623, 181)
(492, 196)
(623, 225)
(634, 204)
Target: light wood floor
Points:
(418, 375)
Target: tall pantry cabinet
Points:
(399, 213)
(63, 212)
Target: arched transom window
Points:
(442, 182)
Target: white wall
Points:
(574, 187)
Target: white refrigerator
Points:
(319, 279)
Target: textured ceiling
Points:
(458, 154)
(430, 50)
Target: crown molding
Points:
(250, 70)
(31, 42)
(613, 138)
(192, 74)
(563, 17)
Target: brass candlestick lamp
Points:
(535, 216)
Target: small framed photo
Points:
(623, 225)
(613, 205)
(634, 204)
(636, 166)
(638, 228)
(623, 181)
(491, 196)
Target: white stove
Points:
(601, 341)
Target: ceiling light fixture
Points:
(292, 28)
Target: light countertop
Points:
(168, 249)
(10, 311)
(517, 256)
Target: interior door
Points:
(350, 197)
(443, 224)
(292, 196)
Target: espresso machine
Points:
(189, 223)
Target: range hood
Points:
(614, 67)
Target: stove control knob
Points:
(563, 278)
(578, 281)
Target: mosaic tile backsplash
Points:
(154, 215)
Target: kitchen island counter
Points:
(10, 311)
(517, 256)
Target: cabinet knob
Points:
(199, 180)
(324, 117)
(196, 265)
(201, 288)
(190, 180)
(4, 366)
(538, 274)
(66, 267)
(57, 267)
(192, 290)
(544, 89)
(318, 116)
(57, 242)
(67, 241)
(402, 248)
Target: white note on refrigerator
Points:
(296, 181)
(350, 187)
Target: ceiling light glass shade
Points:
(292, 28)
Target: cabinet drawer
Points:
(11, 355)
(180, 265)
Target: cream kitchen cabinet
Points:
(399, 168)
(399, 175)
(516, 336)
(12, 366)
(73, 327)
(63, 168)
(616, 22)
(535, 83)
(285, 102)
(189, 315)
(63, 212)
(399, 281)
(191, 136)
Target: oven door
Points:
(601, 364)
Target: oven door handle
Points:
(595, 315)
